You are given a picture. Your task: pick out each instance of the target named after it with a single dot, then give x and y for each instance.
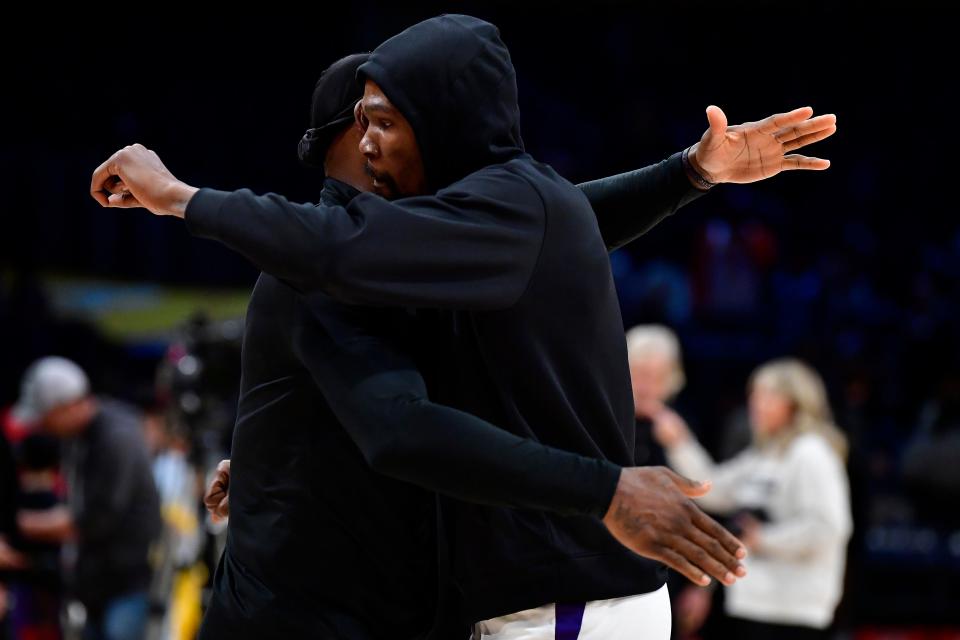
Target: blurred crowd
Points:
(102, 530)
(104, 534)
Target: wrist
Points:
(614, 501)
(698, 177)
(177, 196)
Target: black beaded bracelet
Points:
(698, 179)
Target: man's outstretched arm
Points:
(630, 204)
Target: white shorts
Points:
(642, 617)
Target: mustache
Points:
(385, 178)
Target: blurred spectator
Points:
(113, 513)
(790, 491)
(37, 590)
(10, 558)
(8, 501)
(33, 585)
(179, 574)
(656, 375)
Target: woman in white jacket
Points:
(790, 491)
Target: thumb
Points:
(717, 120)
(690, 488)
(123, 200)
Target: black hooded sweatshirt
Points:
(538, 343)
(322, 543)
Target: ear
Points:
(360, 120)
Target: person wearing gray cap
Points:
(113, 511)
(51, 389)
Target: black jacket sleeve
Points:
(378, 394)
(473, 246)
(630, 204)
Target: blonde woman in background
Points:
(790, 491)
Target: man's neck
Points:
(347, 177)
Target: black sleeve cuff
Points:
(202, 215)
(608, 476)
(684, 189)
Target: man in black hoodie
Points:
(497, 244)
(330, 404)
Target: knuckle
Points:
(717, 550)
(651, 535)
(680, 519)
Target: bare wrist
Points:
(177, 197)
